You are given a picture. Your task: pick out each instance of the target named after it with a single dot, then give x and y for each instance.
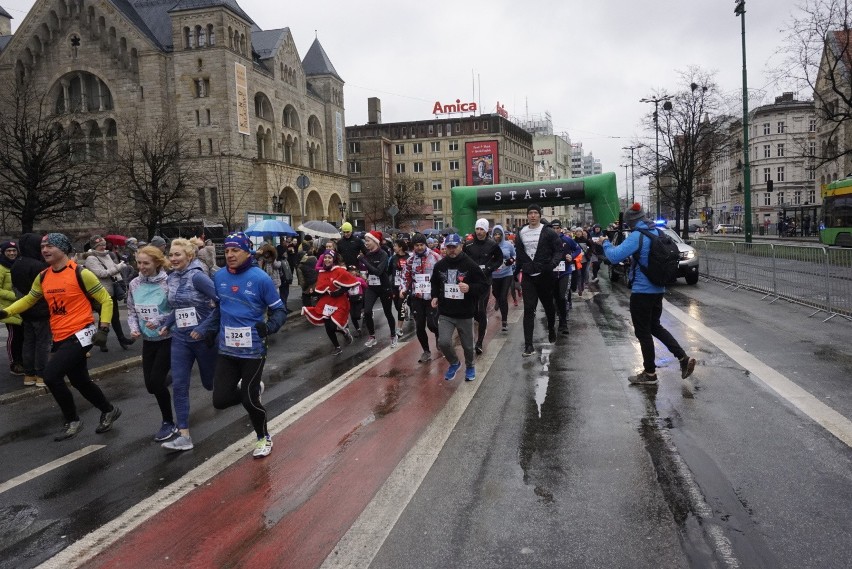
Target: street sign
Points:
(303, 182)
(393, 210)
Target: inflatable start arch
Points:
(599, 191)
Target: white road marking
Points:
(822, 414)
(97, 541)
(45, 468)
(359, 546)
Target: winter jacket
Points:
(627, 248)
(376, 265)
(189, 288)
(508, 251)
(451, 270)
(349, 248)
(148, 300)
(546, 257)
(415, 268)
(271, 268)
(7, 295)
(485, 253)
(570, 251)
(104, 267)
(25, 270)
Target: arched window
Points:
(262, 107)
(81, 92)
(314, 127)
(211, 35)
(290, 118)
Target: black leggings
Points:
(500, 289)
(331, 330)
(481, 315)
(370, 298)
(562, 298)
(645, 311)
(356, 309)
(400, 305)
(156, 362)
(68, 358)
(535, 289)
(421, 310)
(229, 371)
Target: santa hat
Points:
(374, 236)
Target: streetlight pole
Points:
(632, 175)
(739, 10)
(626, 183)
(666, 105)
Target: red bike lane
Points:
(291, 508)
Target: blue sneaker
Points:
(451, 371)
(470, 373)
(167, 431)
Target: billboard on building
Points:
(242, 99)
(481, 159)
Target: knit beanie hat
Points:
(346, 227)
(482, 223)
(534, 206)
(239, 241)
(418, 238)
(634, 213)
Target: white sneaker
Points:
(399, 332)
(180, 443)
(371, 342)
(394, 341)
(262, 447)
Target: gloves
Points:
(262, 329)
(100, 337)
(338, 293)
(3, 314)
(210, 338)
(509, 262)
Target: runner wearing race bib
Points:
(332, 309)
(375, 263)
(417, 288)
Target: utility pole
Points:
(667, 105)
(632, 175)
(739, 10)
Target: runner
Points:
(502, 279)
(457, 282)
(332, 308)
(356, 299)
(397, 267)
(192, 298)
(74, 331)
(249, 310)
(147, 300)
(415, 286)
(562, 274)
(375, 263)
(485, 252)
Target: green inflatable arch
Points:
(599, 191)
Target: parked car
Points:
(687, 267)
(727, 228)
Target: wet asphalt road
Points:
(556, 463)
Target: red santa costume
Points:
(333, 303)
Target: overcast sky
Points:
(586, 62)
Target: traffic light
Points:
(769, 187)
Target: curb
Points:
(95, 373)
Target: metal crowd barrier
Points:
(819, 277)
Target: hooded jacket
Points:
(508, 250)
(25, 270)
(101, 263)
(148, 300)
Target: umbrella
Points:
(119, 240)
(430, 231)
(270, 227)
(448, 230)
(393, 231)
(320, 229)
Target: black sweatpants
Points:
(68, 358)
(229, 371)
(370, 298)
(481, 314)
(535, 289)
(421, 310)
(562, 298)
(500, 289)
(156, 363)
(645, 311)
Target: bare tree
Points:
(404, 192)
(152, 165)
(690, 135)
(233, 197)
(43, 173)
(818, 60)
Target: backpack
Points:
(286, 271)
(663, 258)
(310, 273)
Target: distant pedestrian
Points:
(646, 298)
(36, 320)
(457, 282)
(14, 330)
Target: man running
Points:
(67, 289)
(250, 309)
(539, 252)
(415, 285)
(457, 282)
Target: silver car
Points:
(688, 266)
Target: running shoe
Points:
(470, 373)
(394, 341)
(452, 371)
(167, 431)
(107, 419)
(643, 378)
(399, 332)
(357, 332)
(371, 342)
(347, 336)
(180, 443)
(425, 357)
(687, 366)
(551, 335)
(336, 351)
(69, 430)
(40, 381)
(478, 348)
(262, 447)
(528, 350)
(504, 327)
(29, 380)
(17, 369)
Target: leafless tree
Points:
(818, 60)
(690, 135)
(404, 192)
(156, 174)
(44, 174)
(233, 197)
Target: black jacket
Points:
(547, 255)
(485, 253)
(449, 270)
(349, 249)
(376, 263)
(26, 268)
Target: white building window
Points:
(767, 151)
(437, 186)
(780, 177)
(780, 150)
(812, 125)
(780, 127)
(354, 167)
(780, 198)
(767, 199)
(437, 205)
(355, 206)
(454, 164)
(417, 148)
(436, 165)
(399, 149)
(400, 168)
(767, 174)
(766, 128)
(435, 146)
(354, 147)
(455, 182)
(355, 187)
(418, 166)
(453, 145)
